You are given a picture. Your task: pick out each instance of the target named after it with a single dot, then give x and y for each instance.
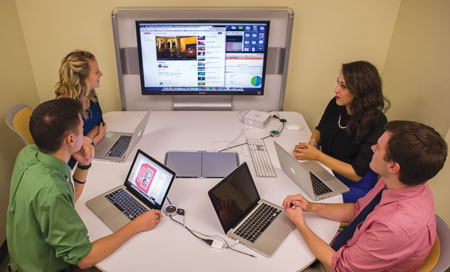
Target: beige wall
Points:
(406, 40)
(440, 187)
(17, 86)
(416, 75)
(326, 33)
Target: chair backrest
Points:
(433, 257)
(438, 260)
(444, 236)
(18, 119)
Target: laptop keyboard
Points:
(126, 204)
(255, 225)
(260, 157)
(119, 148)
(318, 186)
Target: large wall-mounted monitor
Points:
(202, 57)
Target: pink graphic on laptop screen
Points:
(145, 177)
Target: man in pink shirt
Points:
(397, 232)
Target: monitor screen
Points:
(202, 57)
(150, 179)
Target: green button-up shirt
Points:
(43, 230)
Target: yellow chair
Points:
(342, 225)
(438, 260)
(433, 257)
(18, 119)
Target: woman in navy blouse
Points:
(79, 76)
(350, 125)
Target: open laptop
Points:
(116, 146)
(310, 176)
(146, 187)
(238, 206)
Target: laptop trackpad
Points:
(105, 145)
(274, 235)
(114, 218)
(324, 175)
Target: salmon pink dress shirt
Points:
(396, 236)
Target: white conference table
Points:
(170, 247)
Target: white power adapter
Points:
(257, 119)
(217, 244)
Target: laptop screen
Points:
(234, 197)
(150, 179)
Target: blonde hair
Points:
(73, 74)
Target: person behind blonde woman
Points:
(350, 125)
(79, 76)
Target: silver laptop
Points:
(238, 206)
(146, 187)
(116, 146)
(310, 176)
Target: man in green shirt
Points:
(44, 232)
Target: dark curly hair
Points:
(364, 83)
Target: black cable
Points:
(231, 147)
(283, 121)
(209, 241)
(225, 241)
(282, 128)
(248, 254)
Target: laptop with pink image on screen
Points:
(145, 177)
(146, 187)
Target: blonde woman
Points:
(79, 76)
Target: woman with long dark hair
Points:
(352, 122)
